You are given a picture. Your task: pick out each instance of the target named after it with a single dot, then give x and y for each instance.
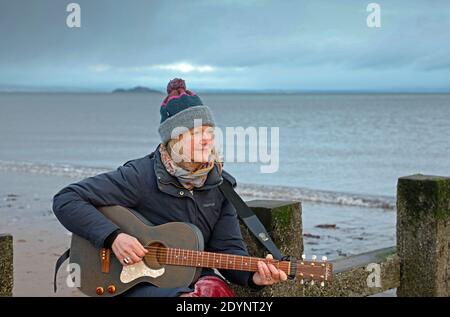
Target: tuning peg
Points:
(324, 258)
(312, 282)
(314, 257)
(322, 284)
(303, 257)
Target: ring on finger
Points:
(126, 260)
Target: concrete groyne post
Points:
(423, 235)
(6, 265)
(283, 221)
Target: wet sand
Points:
(39, 239)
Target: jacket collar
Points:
(163, 177)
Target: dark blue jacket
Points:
(144, 185)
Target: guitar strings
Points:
(155, 251)
(187, 252)
(171, 253)
(162, 250)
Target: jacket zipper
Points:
(192, 196)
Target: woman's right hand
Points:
(129, 248)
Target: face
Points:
(196, 144)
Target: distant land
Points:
(143, 89)
(137, 89)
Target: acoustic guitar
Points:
(175, 258)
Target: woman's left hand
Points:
(268, 274)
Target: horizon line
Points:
(54, 90)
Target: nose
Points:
(207, 136)
(206, 139)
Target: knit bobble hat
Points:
(179, 110)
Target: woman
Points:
(177, 182)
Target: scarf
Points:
(189, 179)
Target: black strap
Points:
(60, 261)
(249, 218)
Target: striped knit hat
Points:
(179, 110)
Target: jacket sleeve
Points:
(75, 205)
(227, 238)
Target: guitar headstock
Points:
(314, 270)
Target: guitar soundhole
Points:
(156, 256)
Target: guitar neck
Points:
(218, 260)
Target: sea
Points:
(340, 155)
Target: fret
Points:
(226, 261)
(246, 261)
(181, 256)
(217, 260)
(168, 255)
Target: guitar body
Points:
(171, 235)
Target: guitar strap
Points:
(248, 217)
(59, 262)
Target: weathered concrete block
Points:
(423, 224)
(6, 265)
(361, 275)
(283, 221)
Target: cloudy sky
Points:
(225, 44)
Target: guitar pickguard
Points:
(131, 272)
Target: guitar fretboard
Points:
(218, 260)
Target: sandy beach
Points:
(39, 239)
